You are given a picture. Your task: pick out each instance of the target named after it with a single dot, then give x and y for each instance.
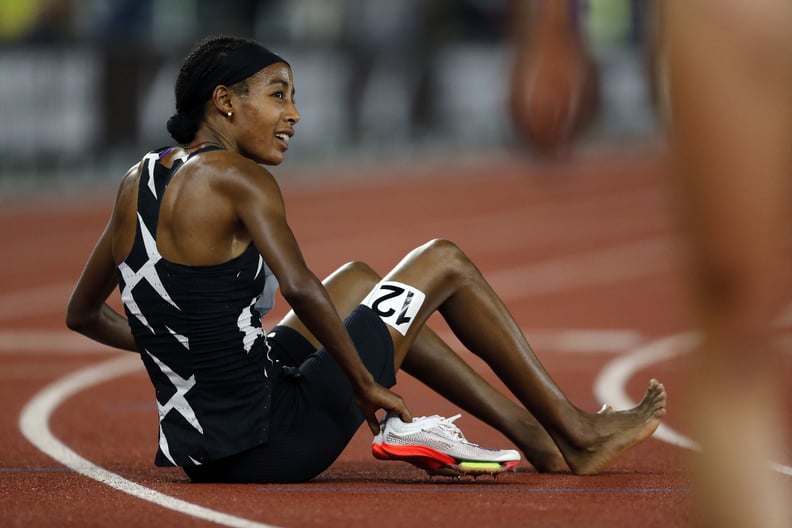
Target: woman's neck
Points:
(203, 143)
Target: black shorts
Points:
(314, 414)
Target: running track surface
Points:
(585, 256)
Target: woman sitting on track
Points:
(199, 231)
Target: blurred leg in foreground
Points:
(729, 73)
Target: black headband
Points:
(237, 66)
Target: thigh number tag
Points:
(396, 303)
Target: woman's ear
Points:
(221, 99)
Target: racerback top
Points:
(198, 331)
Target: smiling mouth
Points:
(283, 137)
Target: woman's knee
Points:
(359, 271)
(355, 279)
(445, 254)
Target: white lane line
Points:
(34, 424)
(41, 300)
(567, 340)
(596, 267)
(610, 385)
(614, 264)
(583, 219)
(34, 418)
(48, 342)
(612, 380)
(579, 341)
(583, 341)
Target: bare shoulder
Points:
(130, 181)
(126, 197)
(121, 228)
(237, 176)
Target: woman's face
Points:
(265, 116)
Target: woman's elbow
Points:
(74, 321)
(77, 319)
(298, 292)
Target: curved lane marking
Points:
(611, 383)
(34, 424)
(35, 416)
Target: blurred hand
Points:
(554, 87)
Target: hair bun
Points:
(182, 127)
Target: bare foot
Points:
(538, 447)
(617, 431)
(542, 452)
(544, 456)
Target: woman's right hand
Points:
(375, 397)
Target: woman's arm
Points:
(88, 312)
(260, 206)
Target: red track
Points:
(586, 247)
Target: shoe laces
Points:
(446, 427)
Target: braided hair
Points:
(191, 97)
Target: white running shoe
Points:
(437, 446)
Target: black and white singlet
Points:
(198, 330)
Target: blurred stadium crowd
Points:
(86, 85)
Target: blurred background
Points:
(86, 86)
